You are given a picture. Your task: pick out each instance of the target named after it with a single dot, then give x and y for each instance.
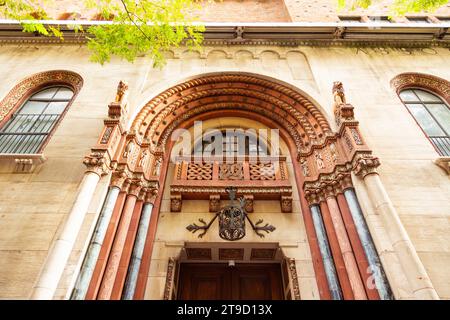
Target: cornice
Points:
(406, 35)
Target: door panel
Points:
(220, 282)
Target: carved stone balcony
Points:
(255, 178)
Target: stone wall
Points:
(33, 206)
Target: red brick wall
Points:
(255, 10)
(244, 11)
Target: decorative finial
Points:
(121, 89)
(338, 93)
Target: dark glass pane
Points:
(425, 120)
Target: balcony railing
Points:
(25, 133)
(442, 145)
(261, 178)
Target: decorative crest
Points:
(232, 220)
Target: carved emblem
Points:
(231, 220)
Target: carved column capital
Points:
(346, 182)
(329, 191)
(119, 179)
(313, 196)
(364, 164)
(97, 162)
(135, 187)
(150, 195)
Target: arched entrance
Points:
(315, 180)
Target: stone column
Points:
(59, 254)
(330, 270)
(373, 259)
(138, 249)
(365, 167)
(95, 245)
(115, 255)
(346, 248)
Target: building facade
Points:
(341, 190)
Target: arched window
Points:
(232, 143)
(432, 114)
(30, 125)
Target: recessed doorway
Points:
(219, 281)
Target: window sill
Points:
(444, 163)
(20, 163)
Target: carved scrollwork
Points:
(199, 171)
(262, 171)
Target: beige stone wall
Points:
(33, 206)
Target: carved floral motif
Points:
(231, 171)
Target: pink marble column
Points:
(346, 248)
(106, 287)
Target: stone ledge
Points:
(444, 163)
(20, 163)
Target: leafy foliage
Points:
(134, 27)
(398, 7)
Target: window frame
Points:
(26, 97)
(419, 101)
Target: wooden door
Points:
(221, 282)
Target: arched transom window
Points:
(233, 142)
(29, 127)
(433, 116)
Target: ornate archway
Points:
(344, 257)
